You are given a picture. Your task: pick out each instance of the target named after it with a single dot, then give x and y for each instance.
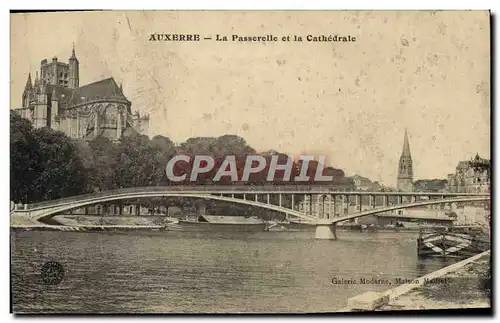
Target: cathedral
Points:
(57, 100)
(405, 169)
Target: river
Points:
(178, 272)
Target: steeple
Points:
(74, 74)
(28, 85)
(405, 168)
(27, 93)
(73, 56)
(36, 85)
(406, 146)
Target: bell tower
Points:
(74, 73)
(405, 169)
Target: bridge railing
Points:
(248, 189)
(180, 188)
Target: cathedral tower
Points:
(74, 78)
(405, 170)
(56, 100)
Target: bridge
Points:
(321, 206)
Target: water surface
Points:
(207, 271)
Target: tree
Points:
(61, 171)
(44, 164)
(430, 185)
(163, 149)
(24, 158)
(102, 170)
(135, 165)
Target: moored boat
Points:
(453, 242)
(218, 223)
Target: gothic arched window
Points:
(109, 116)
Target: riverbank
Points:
(466, 284)
(142, 222)
(467, 287)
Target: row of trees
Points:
(46, 164)
(430, 185)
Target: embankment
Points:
(465, 284)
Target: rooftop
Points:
(104, 89)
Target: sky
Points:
(428, 72)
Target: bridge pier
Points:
(326, 230)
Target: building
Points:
(471, 176)
(472, 214)
(405, 168)
(365, 184)
(56, 100)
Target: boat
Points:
(350, 226)
(400, 228)
(218, 223)
(278, 227)
(453, 242)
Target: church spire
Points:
(406, 146)
(73, 51)
(405, 168)
(73, 72)
(36, 85)
(27, 93)
(28, 85)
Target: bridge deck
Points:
(241, 189)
